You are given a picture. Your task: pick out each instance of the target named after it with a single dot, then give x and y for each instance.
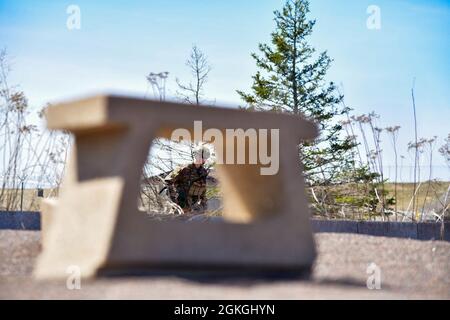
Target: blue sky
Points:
(121, 41)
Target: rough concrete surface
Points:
(410, 269)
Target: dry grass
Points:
(405, 192)
(31, 201)
(437, 190)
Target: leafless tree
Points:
(167, 155)
(444, 150)
(193, 91)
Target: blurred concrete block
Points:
(205, 218)
(47, 212)
(95, 224)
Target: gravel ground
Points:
(410, 269)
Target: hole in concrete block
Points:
(249, 193)
(167, 193)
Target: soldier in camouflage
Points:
(187, 186)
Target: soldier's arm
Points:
(180, 176)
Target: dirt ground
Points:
(410, 269)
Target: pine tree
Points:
(291, 79)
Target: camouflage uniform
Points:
(187, 187)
